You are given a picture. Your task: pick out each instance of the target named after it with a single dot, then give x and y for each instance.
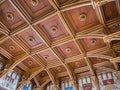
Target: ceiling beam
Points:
(33, 74)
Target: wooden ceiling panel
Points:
(115, 42)
(82, 18)
(11, 47)
(64, 2)
(30, 63)
(108, 10)
(59, 69)
(53, 38)
(43, 74)
(30, 38)
(97, 60)
(78, 64)
(115, 28)
(92, 43)
(36, 8)
(54, 28)
(68, 49)
(1, 35)
(3, 59)
(47, 55)
(9, 16)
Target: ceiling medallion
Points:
(43, 74)
(11, 48)
(34, 2)
(68, 50)
(78, 64)
(9, 16)
(93, 41)
(31, 39)
(54, 29)
(82, 17)
(46, 57)
(59, 69)
(30, 63)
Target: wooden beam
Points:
(36, 82)
(33, 74)
(52, 79)
(90, 66)
(16, 60)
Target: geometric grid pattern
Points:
(50, 39)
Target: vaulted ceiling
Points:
(46, 40)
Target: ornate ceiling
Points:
(47, 40)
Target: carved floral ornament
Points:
(9, 16)
(93, 41)
(34, 2)
(30, 63)
(31, 39)
(46, 57)
(82, 17)
(11, 48)
(68, 50)
(54, 29)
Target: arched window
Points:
(9, 81)
(109, 81)
(49, 86)
(86, 84)
(66, 85)
(27, 87)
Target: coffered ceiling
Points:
(48, 40)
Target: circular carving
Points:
(68, 50)
(54, 29)
(98, 3)
(78, 64)
(31, 39)
(34, 2)
(46, 57)
(59, 69)
(82, 17)
(93, 41)
(43, 74)
(11, 48)
(30, 63)
(9, 16)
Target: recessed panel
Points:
(78, 64)
(30, 38)
(82, 18)
(92, 43)
(110, 10)
(54, 28)
(59, 69)
(11, 47)
(114, 28)
(1, 35)
(9, 16)
(30, 63)
(3, 59)
(68, 49)
(36, 8)
(97, 60)
(64, 2)
(43, 74)
(47, 55)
